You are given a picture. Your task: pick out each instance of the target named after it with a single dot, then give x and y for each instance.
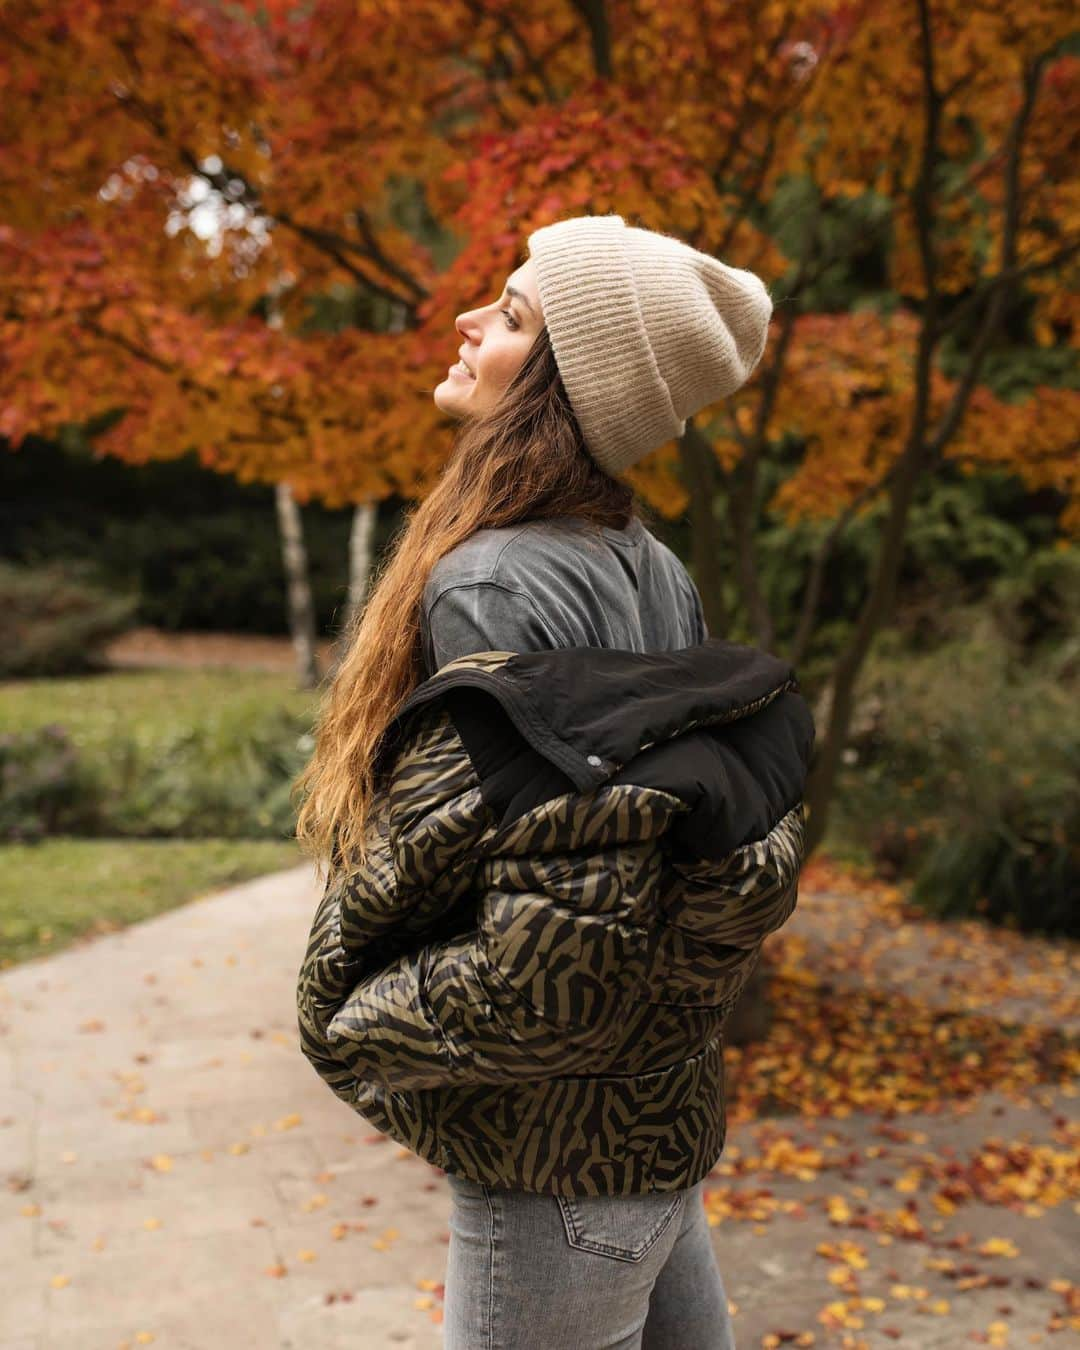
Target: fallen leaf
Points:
(999, 1247)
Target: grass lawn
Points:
(63, 888)
(54, 892)
(94, 708)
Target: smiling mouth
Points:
(462, 369)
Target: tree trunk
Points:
(300, 606)
(742, 518)
(875, 612)
(751, 1016)
(360, 563)
(749, 1019)
(699, 472)
(360, 537)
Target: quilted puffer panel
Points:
(693, 973)
(425, 840)
(741, 899)
(713, 918)
(435, 816)
(623, 813)
(326, 976)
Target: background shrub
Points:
(43, 788)
(143, 754)
(224, 778)
(964, 771)
(57, 620)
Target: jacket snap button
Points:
(595, 761)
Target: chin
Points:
(446, 402)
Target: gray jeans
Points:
(528, 1271)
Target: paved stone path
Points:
(176, 1174)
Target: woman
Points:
(601, 344)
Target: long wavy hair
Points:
(525, 459)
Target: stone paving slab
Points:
(173, 1166)
(175, 1040)
(772, 1271)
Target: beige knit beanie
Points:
(645, 330)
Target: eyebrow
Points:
(517, 295)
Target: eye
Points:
(510, 319)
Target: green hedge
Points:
(43, 785)
(180, 754)
(963, 774)
(204, 781)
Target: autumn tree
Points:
(406, 152)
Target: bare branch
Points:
(1006, 278)
(375, 251)
(595, 16)
(812, 595)
(533, 64)
(923, 195)
(330, 243)
(950, 421)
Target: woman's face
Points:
(495, 342)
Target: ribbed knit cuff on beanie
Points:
(645, 330)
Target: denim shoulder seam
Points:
(507, 590)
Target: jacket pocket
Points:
(624, 1227)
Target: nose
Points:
(461, 322)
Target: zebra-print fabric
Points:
(538, 1006)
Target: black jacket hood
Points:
(538, 724)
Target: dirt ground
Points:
(239, 651)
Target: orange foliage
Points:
(319, 136)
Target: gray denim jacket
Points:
(546, 584)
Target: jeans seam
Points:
(491, 1270)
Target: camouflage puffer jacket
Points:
(575, 857)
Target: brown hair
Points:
(525, 459)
